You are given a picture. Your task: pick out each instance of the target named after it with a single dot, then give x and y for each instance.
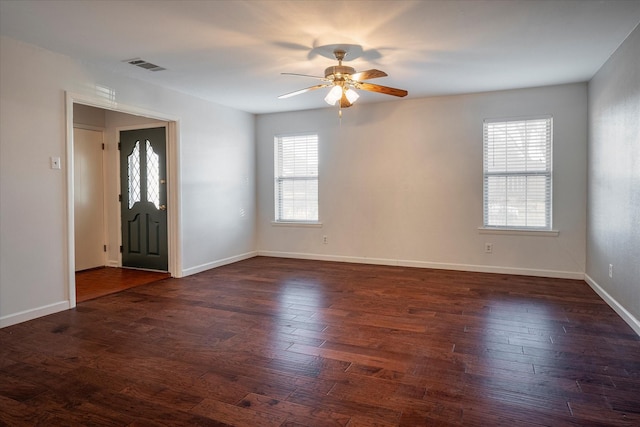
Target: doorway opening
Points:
(94, 191)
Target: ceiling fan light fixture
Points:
(351, 95)
(334, 95)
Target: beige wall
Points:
(613, 232)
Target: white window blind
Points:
(517, 173)
(296, 178)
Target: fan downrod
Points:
(340, 54)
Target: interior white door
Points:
(88, 198)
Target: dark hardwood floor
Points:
(98, 282)
(278, 342)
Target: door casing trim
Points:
(173, 182)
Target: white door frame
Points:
(173, 181)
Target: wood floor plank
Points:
(286, 342)
(295, 414)
(237, 415)
(64, 409)
(348, 407)
(16, 413)
(18, 389)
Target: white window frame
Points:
(305, 202)
(490, 222)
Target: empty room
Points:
(320, 213)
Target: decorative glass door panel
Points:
(153, 176)
(133, 163)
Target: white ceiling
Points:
(232, 52)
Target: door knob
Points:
(163, 207)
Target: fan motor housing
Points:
(338, 71)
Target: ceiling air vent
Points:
(144, 64)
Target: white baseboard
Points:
(576, 275)
(33, 313)
(617, 307)
(218, 263)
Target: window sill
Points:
(518, 232)
(296, 224)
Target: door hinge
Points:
(104, 248)
(120, 248)
(119, 197)
(119, 146)
(103, 146)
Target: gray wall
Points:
(401, 183)
(613, 230)
(215, 147)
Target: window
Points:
(296, 178)
(517, 173)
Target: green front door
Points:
(143, 171)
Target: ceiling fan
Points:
(343, 80)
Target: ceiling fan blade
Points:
(368, 74)
(298, 92)
(382, 89)
(304, 75)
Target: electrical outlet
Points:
(55, 162)
(488, 248)
(325, 240)
(611, 271)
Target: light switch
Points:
(55, 163)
